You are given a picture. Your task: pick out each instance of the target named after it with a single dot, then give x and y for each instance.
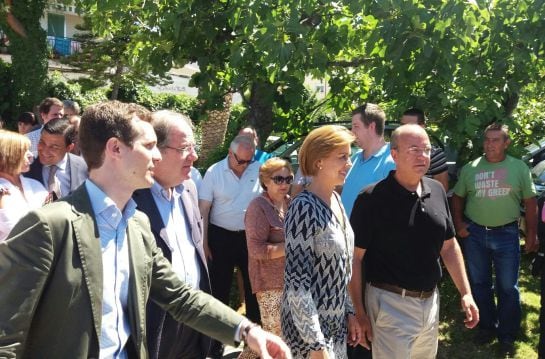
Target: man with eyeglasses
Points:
(438, 161)
(171, 204)
(402, 226)
(486, 209)
(226, 190)
(60, 171)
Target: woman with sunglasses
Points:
(18, 194)
(265, 238)
(317, 312)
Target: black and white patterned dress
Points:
(316, 302)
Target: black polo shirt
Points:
(402, 233)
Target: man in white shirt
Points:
(226, 190)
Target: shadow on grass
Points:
(456, 341)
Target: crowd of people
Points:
(113, 246)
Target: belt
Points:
(402, 291)
(491, 228)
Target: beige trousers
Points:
(403, 327)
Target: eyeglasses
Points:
(416, 151)
(184, 149)
(281, 179)
(242, 162)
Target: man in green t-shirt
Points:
(486, 206)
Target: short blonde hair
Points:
(320, 143)
(13, 148)
(270, 166)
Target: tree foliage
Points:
(107, 60)
(466, 63)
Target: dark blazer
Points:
(78, 171)
(51, 285)
(168, 338)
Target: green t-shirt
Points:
(493, 191)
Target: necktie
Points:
(53, 184)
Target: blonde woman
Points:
(18, 194)
(316, 308)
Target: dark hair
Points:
(61, 126)
(418, 113)
(73, 105)
(46, 104)
(101, 122)
(27, 117)
(369, 113)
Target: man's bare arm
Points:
(454, 261)
(530, 214)
(356, 292)
(458, 204)
(204, 207)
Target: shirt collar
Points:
(105, 206)
(161, 192)
(379, 153)
(62, 163)
(403, 191)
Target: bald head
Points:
(411, 150)
(404, 131)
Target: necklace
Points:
(279, 210)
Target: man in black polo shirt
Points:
(402, 225)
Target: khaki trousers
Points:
(403, 327)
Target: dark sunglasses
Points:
(281, 179)
(242, 162)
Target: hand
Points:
(461, 230)
(531, 244)
(319, 354)
(354, 331)
(366, 331)
(267, 345)
(470, 309)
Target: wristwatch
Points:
(244, 330)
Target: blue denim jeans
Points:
(499, 249)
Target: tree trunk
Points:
(260, 109)
(116, 81)
(213, 129)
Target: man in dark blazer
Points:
(70, 171)
(171, 204)
(75, 275)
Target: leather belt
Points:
(402, 291)
(491, 228)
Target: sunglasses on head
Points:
(281, 179)
(242, 162)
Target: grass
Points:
(455, 341)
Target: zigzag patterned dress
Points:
(316, 302)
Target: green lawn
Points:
(455, 341)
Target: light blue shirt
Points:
(177, 234)
(261, 156)
(112, 228)
(364, 173)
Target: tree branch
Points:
(350, 63)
